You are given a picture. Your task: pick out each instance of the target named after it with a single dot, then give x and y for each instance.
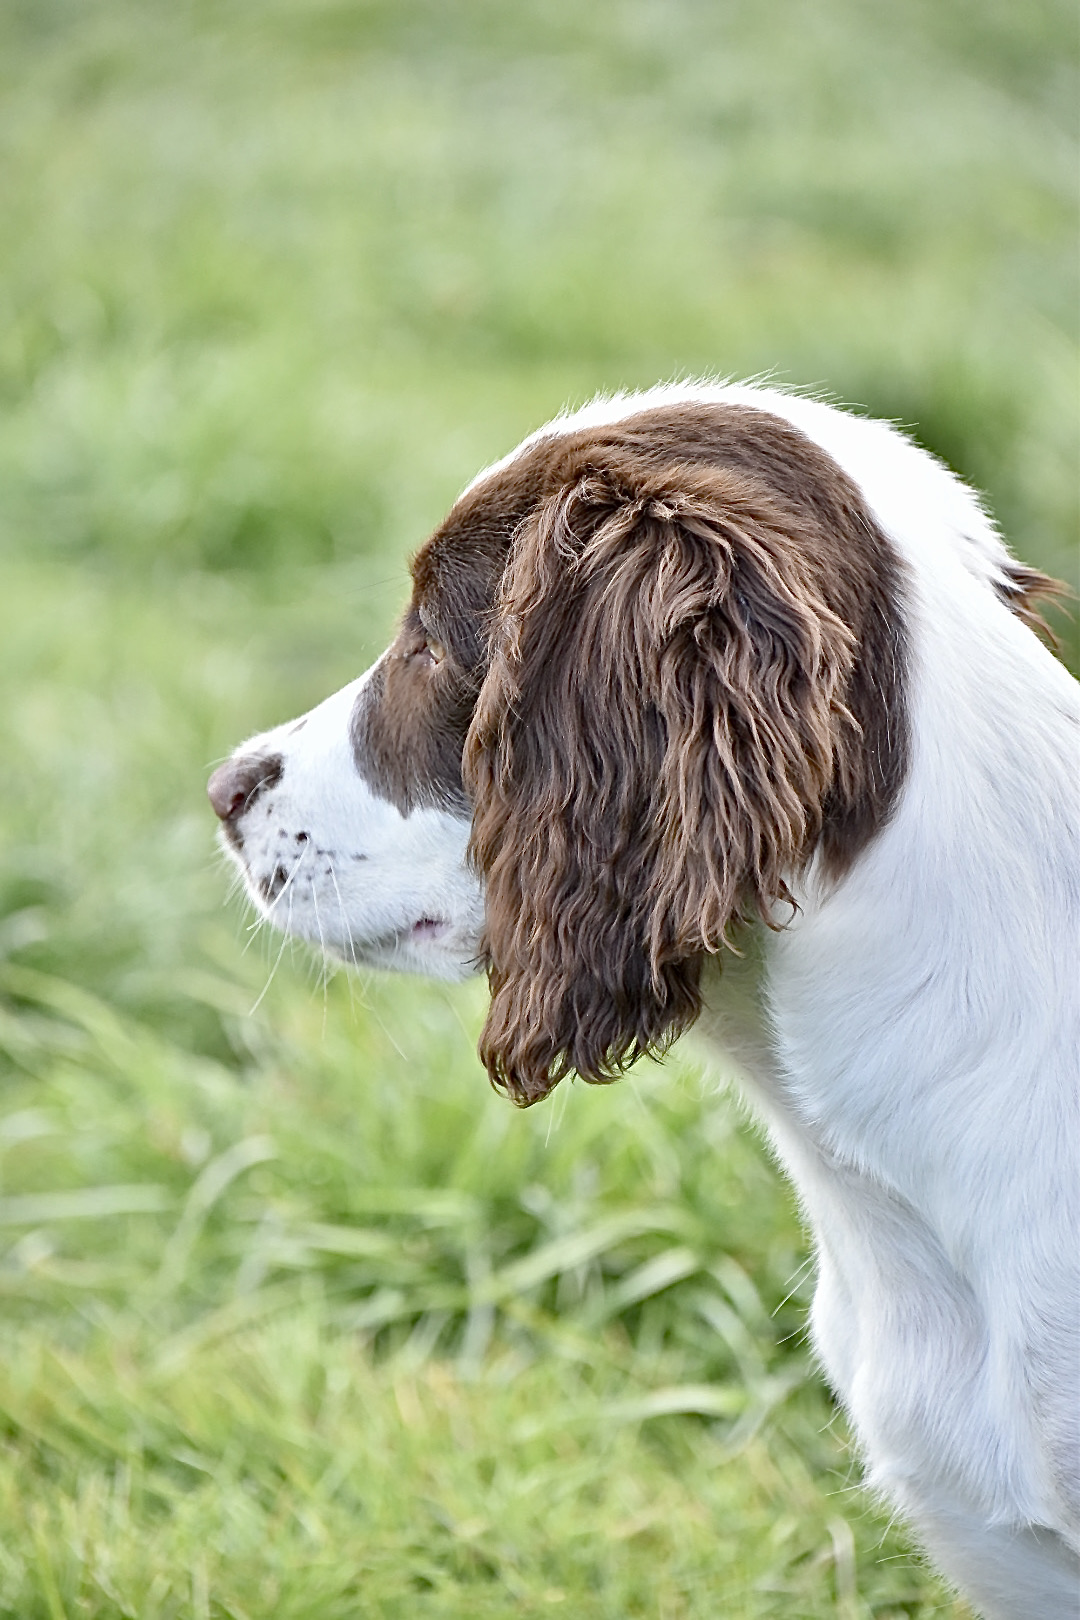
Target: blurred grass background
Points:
(299, 1320)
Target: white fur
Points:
(364, 882)
(910, 1040)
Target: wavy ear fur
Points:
(661, 726)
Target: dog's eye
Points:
(434, 649)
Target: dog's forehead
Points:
(455, 576)
(459, 568)
(465, 556)
(477, 532)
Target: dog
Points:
(718, 705)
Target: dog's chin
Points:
(432, 948)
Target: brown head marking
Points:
(693, 684)
(662, 662)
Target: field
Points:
(300, 1321)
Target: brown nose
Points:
(236, 785)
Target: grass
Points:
(299, 1320)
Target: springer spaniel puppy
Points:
(716, 705)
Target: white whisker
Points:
(277, 963)
(286, 886)
(325, 962)
(346, 935)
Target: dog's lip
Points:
(428, 928)
(425, 930)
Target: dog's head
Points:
(649, 671)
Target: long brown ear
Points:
(650, 757)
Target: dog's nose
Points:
(236, 785)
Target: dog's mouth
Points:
(384, 949)
(426, 929)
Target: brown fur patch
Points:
(678, 641)
(409, 723)
(1025, 590)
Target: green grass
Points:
(299, 1319)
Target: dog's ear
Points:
(649, 759)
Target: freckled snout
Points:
(236, 785)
